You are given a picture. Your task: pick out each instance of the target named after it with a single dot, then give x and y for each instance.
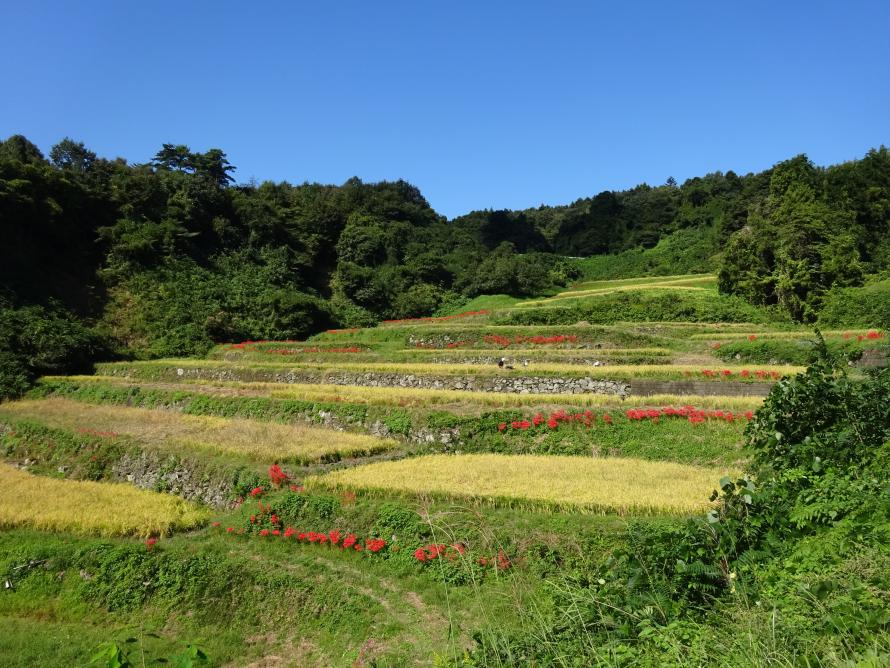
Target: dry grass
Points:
(580, 483)
(799, 334)
(91, 508)
(391, 396)
(681, 279)
(581, 294)
(253, 439)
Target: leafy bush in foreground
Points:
(793, 567)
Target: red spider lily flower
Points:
(552, 423)
(358, 547)
(727, 372)
(503, 560)
(349, 541)
(256, 492)
(375, 544)
(483, 561)
(215, 525)
(264, 532)
(277, 476)
(253, 519)
(749, 415)
(538, 419)
(746, 373)
(274, 519)
(607, 418)
(289, 531)
(420, 554)
(150, 543)
(334, 537)
(502, 426)
(752, 337)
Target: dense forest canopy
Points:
(103, 257)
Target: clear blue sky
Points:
(480, 104)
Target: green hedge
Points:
(868, 306)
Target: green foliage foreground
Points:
(791, 570)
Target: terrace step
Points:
(648, 387)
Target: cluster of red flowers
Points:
(312, 349)
(443, 318)
(276, 476)
(150, 543)
(95, 432)
(505, 341)
(350, 330)
(744, 373)
(871, 335)
(434, 551)
(274, 527)
(691, 413)
(439, 550)
(589, 418)
(333, 538)
(556, 418)
(501, 561)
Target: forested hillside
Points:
(101, 258)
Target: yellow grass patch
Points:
(800, 334)
(391, 396)
(581, 294)
(605, 485)
(256, 440)
(91, 508)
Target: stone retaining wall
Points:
(159, 472)
(647, 387)
(500, 383)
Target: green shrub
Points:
(37, 340)
(868, 306)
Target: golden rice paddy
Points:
(253, 439)
(90, 508)
(581, 483)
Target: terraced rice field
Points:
(582, 483)
(520, 482)
(624, 371)
(90, 508)
(253, 439)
